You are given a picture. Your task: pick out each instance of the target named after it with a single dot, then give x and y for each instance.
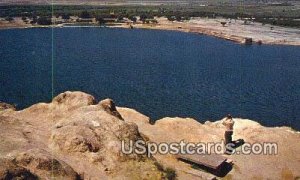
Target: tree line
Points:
(42, 14)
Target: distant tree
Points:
(171, 18)
(150, 16)
(223, 23)
(143, 17)
(9, 19)
(178, 18)
(65, 16)
(154, 21)
(120, 18)
(186, 18)
(112, 16)
(85, 14)
(34, 21)
(100, 20)
(24, 18)
(132, 18)
(44, 21)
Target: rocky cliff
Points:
(74, 137)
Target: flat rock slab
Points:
(213, 161)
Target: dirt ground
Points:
(283, 165)
(234, 30)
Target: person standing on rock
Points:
(228, 123)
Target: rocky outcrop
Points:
(9, 170)
(4, 106)
(284, 165)
(42, 164)
(110, 107)
(74, 137)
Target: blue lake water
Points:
(159, 73)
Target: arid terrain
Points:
(17, 23)
(74, 137)
(233, 30)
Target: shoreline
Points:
(235, 39)
(238, 33)
(7, 106)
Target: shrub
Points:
(133, 18)
(9, 19)
(65, 16)
(170, 173)
(44, 21)
(85, 14)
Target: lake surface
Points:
(159, 73)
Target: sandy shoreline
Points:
(234, 30)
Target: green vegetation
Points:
(279, 14)
(223, 23)
(132, 18)
(65, 16)
(34, 20)
(85, 14)
(170, 173)
(44, 21)
(9, 18)
(280, 21)
(100, 20)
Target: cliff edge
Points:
(74, 137)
